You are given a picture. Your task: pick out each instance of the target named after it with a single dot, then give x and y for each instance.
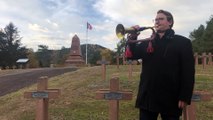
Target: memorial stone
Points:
(75, 57)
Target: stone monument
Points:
(75, 57)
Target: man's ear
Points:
(170, 22)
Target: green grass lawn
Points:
(77, 100)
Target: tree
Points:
(202, 38)
(62, 55)
(120, 47)
(107, 54)
(10, 46)
(197, 33)
(33, 63)
(3, 42)
(208, 36)
(196, 37)
(44, 56)
(93, 53)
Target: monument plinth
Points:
(75, 57)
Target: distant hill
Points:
(93, 53)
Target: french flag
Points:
(89, 26)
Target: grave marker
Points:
(210, 58)
(124, 60)
(196, 56)
(204, 56)
(118, 60)
(103, 63)
(42, 95)
(130, 62)
(189, 113)
(114, 95)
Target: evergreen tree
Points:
(63, 54)
(10, 46)
(208, 36)
(44, 56)
(202, 38)
(196, 37)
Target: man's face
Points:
(161, 23)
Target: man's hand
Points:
(133, 36)
(181, 104)
(136, 27)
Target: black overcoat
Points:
(167, 74)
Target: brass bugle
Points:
(121, 30)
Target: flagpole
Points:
(86, 42)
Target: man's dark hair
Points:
(168, 16)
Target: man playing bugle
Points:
(167, 77)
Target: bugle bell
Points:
(121, 31)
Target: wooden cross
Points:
(103, 63)
(124, 60)
(189, 112)
(130, 62)
(196, 56)
(204, 56)
(42, 95)
(114, 95)
(210, 58)
(118, 60)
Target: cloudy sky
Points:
(55, 22)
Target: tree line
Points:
(202, 37)
(11, 49)
(10, 46)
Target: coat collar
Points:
(169, 34)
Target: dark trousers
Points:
(148, 115)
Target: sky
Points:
(54, 22)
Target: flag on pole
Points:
(89, 26)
